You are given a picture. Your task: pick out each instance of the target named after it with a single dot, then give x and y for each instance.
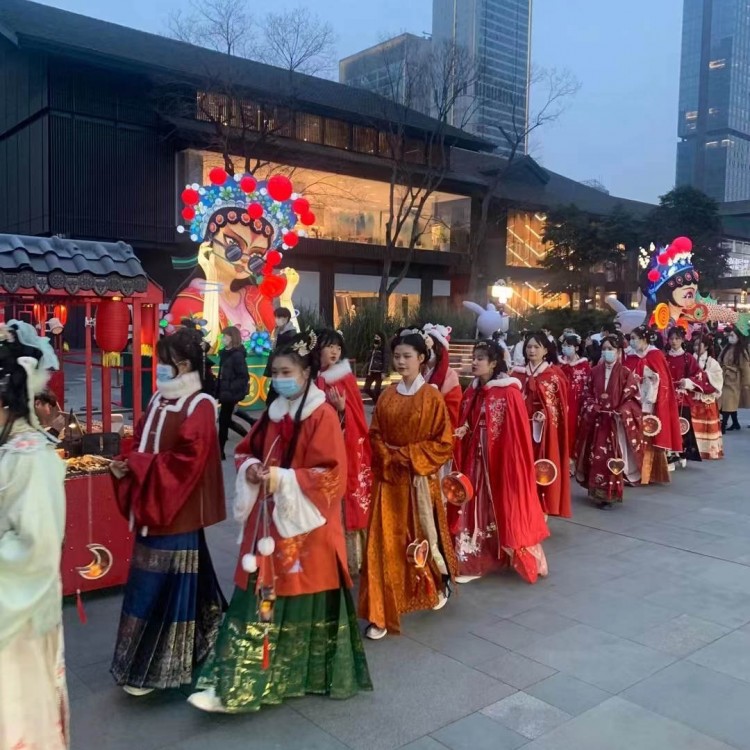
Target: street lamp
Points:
(501, 291)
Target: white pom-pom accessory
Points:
(249, 563)
(266, 546)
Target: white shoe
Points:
(670, 467)
(442, 601)
(207, 700)
(374, 633)
(683, 463)
(466, 579)
(136, 691)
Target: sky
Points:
(619, 129)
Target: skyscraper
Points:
(497, 35)
(714, 116)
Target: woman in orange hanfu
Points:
(545, 391)
(503, 523)
(409, 562)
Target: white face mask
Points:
(732, 338)
(568, 350)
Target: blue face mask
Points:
(164, 373)
(609, 356)
(568, 350)
(287, 387)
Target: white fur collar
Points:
(180, 387)
(413, 389)
(502, 382)
(336, 372)
(680, 353)
(282, 406)
(580, 361)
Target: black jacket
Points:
(233, 376)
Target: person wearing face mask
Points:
(577, 370)
(661, 418)
(291, 628)
(735, 364)
(609, 445)
(437, 369)
(283, 333)
(704, 406)
(503, 524)
(412, 438)
(337, 381)
(170, 487)
(233, 381)
(376, 367)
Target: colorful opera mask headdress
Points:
(672, 266)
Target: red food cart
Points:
(42, 278)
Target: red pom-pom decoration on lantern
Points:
(273, 258)
(301, 206)
(218, 176)
(291, 239)
(653, 275)
(190, 196)
(188, 213)
(682, 245)
(273, 286)
(248, 184)
(255, 210)
(279, 187)
(307, 218)
(662, 259)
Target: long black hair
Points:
(184, 345)
(303, 350)
(413, 338)
(646, 333)
(330, 337)
(737, 351)
(549, 346)
(495, 354)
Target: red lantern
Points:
(291, 239)
(255, 211)
(148, 330)
(190, 197)
(218, 176)
(301, 206)
(273, 258)
(111, 329)
(308, 218)
(279, 187)
(273, 286)
(188, 213)
(653, 275)
(40, 314)
(61, 313)
(248, 184)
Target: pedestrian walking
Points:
(376, 367)
(735, 364)
(233, 381)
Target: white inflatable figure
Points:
(489, 319)
(628, 319)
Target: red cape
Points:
(578, 376)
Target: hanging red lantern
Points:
(111, 329)
(40, 314)
(148, 330)
(61, 313)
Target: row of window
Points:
(302, 126)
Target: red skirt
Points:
(705, 417)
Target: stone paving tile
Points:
(707, 701)
(544, 620)
(424, 743)
(681, 636)
(526, 715)
(618, 724)
(478, 732)
(602, 659)
(418, 691)
(729, 655)
(516, 670)
(568, 694)
(506, 633)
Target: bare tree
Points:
(553, 89)
(438, 78)
(221, 25)
(298, 41)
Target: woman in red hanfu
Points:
(577, 370)
(686, 376)
(661, 419)
(609, 448)
(438, 371)
(337, 381)
(704, 407)
(504, 523)
(545, 390)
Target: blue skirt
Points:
(171, 612)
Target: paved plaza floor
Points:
(639, 638)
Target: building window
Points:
(365, 140)
(691, 115)
(336, 133)
(524, 244)
(717, 64)
(309, 128)
(414, 150)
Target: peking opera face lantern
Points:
(243, 227)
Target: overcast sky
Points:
(621, 127)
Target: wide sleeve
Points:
(435, 446)
(452, 394)
(649, 389)
(159, 484)
(714, 377)
(308, 494)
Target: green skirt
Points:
(315, 647)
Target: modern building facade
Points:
(391, 69)
(497, 35)
(101, 126)
(713, 154)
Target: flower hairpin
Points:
(301, 348)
